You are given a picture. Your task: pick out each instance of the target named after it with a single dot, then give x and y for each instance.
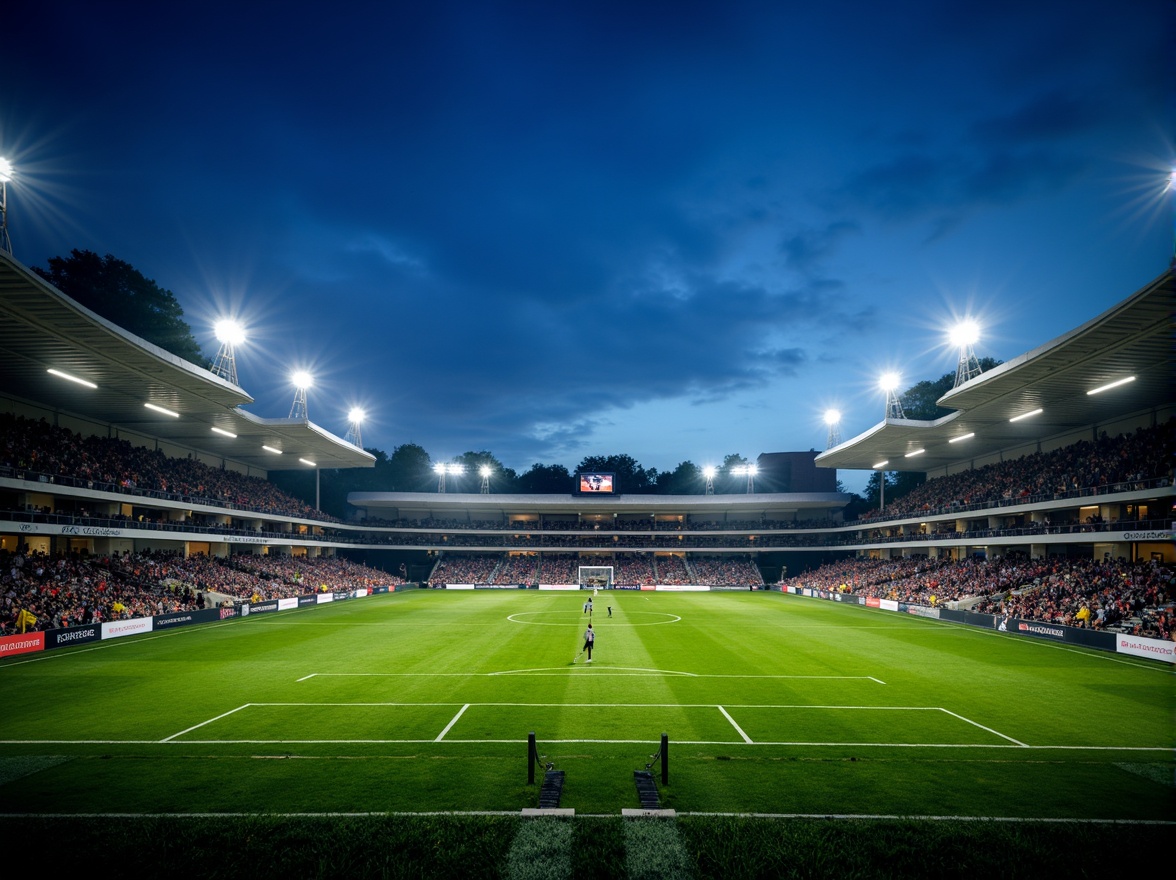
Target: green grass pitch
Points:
(422, 701)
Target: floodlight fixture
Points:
(964, 337)
(301, 380)
(229, 334)
(442, 470)
(61, 374)
(162, 409)
(889, 383)
(5, 176)
(485, 471)
(708, 474)
(1110, 385)
(748, 470)
(355, 417)
(833, 420)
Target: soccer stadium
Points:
(202, 674)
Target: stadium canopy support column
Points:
(531, 758)
(317, 471)
(665, 756)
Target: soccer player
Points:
(589, 641)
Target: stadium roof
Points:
(1133, 338)
(41, 329)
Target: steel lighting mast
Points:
(833, 420)
(750, 471)
(485, 471)
(229, 334)
(5, 176)
(889, 384)
(302, 381)
(441, 470)
(964, 336)
(355, 419)
(708, 474)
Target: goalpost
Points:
(596, 576)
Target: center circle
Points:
(576, 618)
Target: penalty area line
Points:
(209, 721)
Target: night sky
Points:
(549, 230)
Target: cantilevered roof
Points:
(41, 329)
(1133, 338)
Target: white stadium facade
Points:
(49, 342)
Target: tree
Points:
(918, 401)
(502, 478)
(732, 483)
(121, 294)
(685, 479)
(409, 469)
(545, 479)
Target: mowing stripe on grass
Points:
(654, 851)
(541, 850)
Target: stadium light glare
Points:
(161, 409)
(63, 375)
(302, 380)
(966, 332)
(229, 332)
(356, 415)
(5, 177)
(485, 470)
(832, 417)
(1032, 412)
(709, 471)
(889, 381)
(967, 436)
(1110, 385)
(224, 433)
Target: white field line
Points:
(738, 729)
(595, 673)
(209, 721)
(852, 817)
(452, 722)
(981, 726)
(685, 742)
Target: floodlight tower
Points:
(750, 471)
(963, 337)
(355, 418)
(833, 420)
(5, 176)
(889, 384)
(485, 471)
(302, 380)
(1171, 188)
(442, 470)
(708, 474)
(230, 334)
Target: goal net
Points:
(596, 576)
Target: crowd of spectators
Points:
(1137, 597)
(1139, 460)
(63, 590)
(35, 449)
(725, 571)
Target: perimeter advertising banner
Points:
(1153, 649)
(116, 629)
(23, 644)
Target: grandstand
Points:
(89, 470)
